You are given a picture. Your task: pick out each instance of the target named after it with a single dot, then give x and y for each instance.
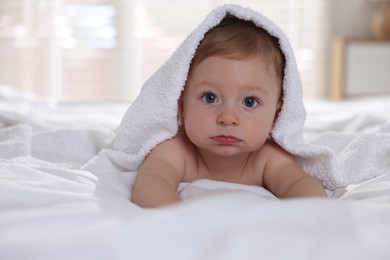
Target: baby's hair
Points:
(237, 38)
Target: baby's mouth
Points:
(223, 139)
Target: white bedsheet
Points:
(50, 209)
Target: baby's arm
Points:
(286, 179)
(158, 177)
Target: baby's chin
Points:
(225, 151)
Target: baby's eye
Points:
(209, 98)
(250, 102)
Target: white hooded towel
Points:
(335, 159)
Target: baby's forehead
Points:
(243, 72)
(262, 60)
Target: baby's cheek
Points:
(192, 136)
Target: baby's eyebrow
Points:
(207, 83)
(245, 88)
(256, 89)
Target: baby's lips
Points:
(222, 139)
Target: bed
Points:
(51, 209)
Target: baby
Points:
(227, 110)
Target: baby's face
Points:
(229, 105)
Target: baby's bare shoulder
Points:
(270, 147)
(271, 151)
(175, 149)
(176, 155)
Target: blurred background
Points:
(103, 50)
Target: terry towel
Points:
(336, 160)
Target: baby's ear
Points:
(279, 106)
(180, 109)
(180, 104)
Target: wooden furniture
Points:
(359, 68)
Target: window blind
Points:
(103, 50)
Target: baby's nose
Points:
(228, 117)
